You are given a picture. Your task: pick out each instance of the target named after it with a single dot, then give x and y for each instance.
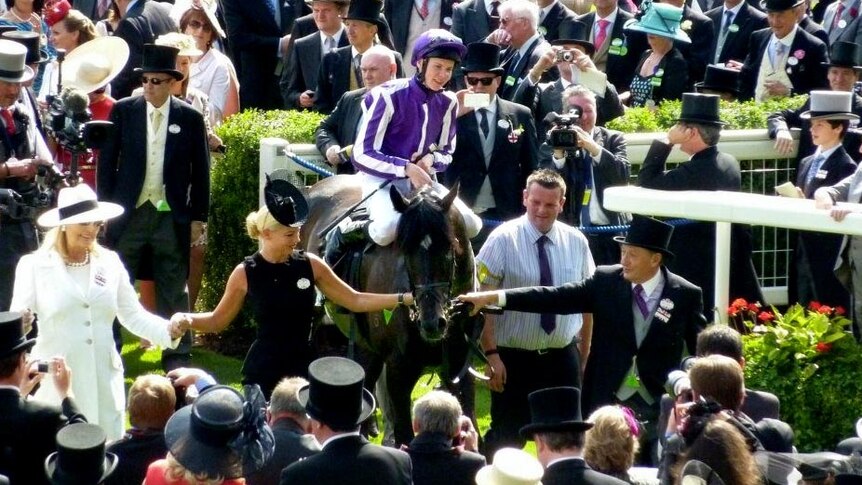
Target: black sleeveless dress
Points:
(282, 296)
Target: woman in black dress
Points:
(279, 281)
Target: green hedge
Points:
(234, 194)
(738, 116)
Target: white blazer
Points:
(77, 326)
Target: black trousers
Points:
(527, 371)
(17, 238)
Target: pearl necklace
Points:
(80, 264)
(30, 19)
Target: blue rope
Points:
(491, 222)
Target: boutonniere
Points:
(799, 54)
(174, 128)
(666, 303)
(685, 25)
(854, 12)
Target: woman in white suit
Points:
(76, 288)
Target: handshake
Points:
(180, 323)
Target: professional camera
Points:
(565, 56)
(562, 133)
(678, 384)
(69, 122)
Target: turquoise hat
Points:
(660, 19)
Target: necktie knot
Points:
(816, 163)
(728, 20)
(641, 300)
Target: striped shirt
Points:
(510, 259)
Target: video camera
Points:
(69, 122)
(678, 383)
(562, 134)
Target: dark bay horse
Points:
(431, 257)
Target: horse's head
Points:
(426, 238)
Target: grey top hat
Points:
(13, 65)
(830, 105)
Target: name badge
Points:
(510, 80)
(821, 174)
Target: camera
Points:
(678, 385)
(69, 122)
(565, 56)
(562, 134)
(44, 366)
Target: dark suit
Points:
(546, 98)
(27, 435)
(254, 35)
(136, 451)
(697, 53)
(510, 162)
(303, 66)
(619, 68)
(693, 245)
(735, 47)
(436, 462)
(811, 276)
(339, 127)
(291, 445)
(575, 471)
(814, 29)
(305, 25)
(550, 26)
(333, 80)
(515, 74)
(807, 74)
(675, 79)
(399, 12)
(142, 24)
(351, 460)
(608, 296)
(470, 21)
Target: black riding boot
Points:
(340, 241)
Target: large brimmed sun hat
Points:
(95, 63)
(77, 205)
(13, 65)
(511, 466)
(660, 19)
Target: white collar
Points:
(826, 153)
(650, 285)
(610, 18)
(787, 40)
(337, 437)
(564, 458)
(735, 9)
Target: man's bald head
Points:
(378, 66)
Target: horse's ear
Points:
(398, 201)
(446, 203)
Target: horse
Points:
(432, 257)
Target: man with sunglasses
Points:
(497, 147)
(157, 167)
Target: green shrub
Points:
(234, 194)
(812, 363)
(738, 115)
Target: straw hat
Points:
(95, 63)
(511, 466)
(78, 204)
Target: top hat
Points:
(160, 58)
(284, 201)
(31, 42)
(80, 458)
(366, 11)
(779, 5)
(700, 108)
(660, 19)
(12, 338)
(78, 204)
(511, 466)
(184, 42)
(844, 54)
(56, 12)
(555, 409)
(13, 65)
(649, 233)
(572, 31)
(482, 57)
(95, 63)
(334, 395)
(719, 78)
(211, 436)
(830, 105)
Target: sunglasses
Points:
(154, 80)
(486, 81)
(197, 24)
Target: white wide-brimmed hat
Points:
(95, 63)
(208, 7)
(13, 65)
(184, 42)
(77, 205)
(511, 466)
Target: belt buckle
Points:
(542, 351)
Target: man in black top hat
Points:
(142, 22)
(27, 428)
(157, 167)
(719, 80)
(497, 147)
(558, 430)
(644, 316)
(80, 457)
(336, 403)
(697, 132)
(341, 69)
(35, 57)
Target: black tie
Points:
(483, 123)
(357, 70)
(513, 64)
(548, 320)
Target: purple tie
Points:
(548, 320)
(640, 299)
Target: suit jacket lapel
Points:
(623, 294)
(502, 134)
(482, 16)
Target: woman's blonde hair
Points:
(259, 220)
(175, 472)
(610, 445)
(55, 239)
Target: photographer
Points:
(444, 449)
(23, 152)
(590, 158)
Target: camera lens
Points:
(568, 57)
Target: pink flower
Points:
(825, 310)
(732, 311)
(799, 54)
(814, 305)
(854, 12)
(753, 307)
(740, 303)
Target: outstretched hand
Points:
(479, 300)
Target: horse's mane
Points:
(424, 217)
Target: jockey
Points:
(407, 134)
